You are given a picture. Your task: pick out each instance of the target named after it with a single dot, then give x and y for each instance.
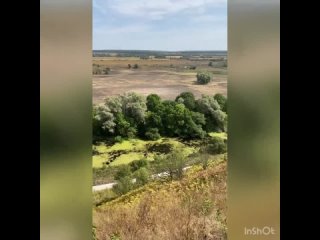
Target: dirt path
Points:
(110, 185)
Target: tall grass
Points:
(188, 209)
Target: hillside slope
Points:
(188, 209)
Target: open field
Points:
(166, 77)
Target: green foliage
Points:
(153, 102)
(142, 176)
(217, 146)
(216, 120)
(133, 108)
(137, 164)
(222, 100)
(204, 77)
(172, 163)
(103, 120)
(124, 171)
(152, 134)
(123, 185)
(132, 131)
(188, 100)
(118, 139)
(179, 121)
(132, 115)
(153, 120)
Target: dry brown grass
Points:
(189, 209)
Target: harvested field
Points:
(167, 78)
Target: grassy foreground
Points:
(191, 208)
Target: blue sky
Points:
(171, 25)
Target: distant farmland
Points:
(164, 76)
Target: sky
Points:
(169, 25)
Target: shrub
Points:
(172, 163)
(124, 171)
(137, 164)
(217, 145)
(210, 64)
(153, 134)
(142, 176)
(118, 139)
(188, 100)
(204, 77)
(135, 66)
(153, 102)
(123, 186)
(131, 132)
(222, 100)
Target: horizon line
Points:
(159, 50)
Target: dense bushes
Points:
(222, 100)
(131, 176)
(132, 115)
(152, 134)
(172, 163)
(204, 77)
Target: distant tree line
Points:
(131, 115)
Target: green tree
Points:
(103, 121)
(222, 100)
(216, 120)
(179, 121)
(152, 134)
(153, 120)
(153, 102)
(134, 107)
(204, 77)
(188, 100)
(122, 126)
(172, 163)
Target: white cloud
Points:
(156, 9)
(183, 25)
(124, 29)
